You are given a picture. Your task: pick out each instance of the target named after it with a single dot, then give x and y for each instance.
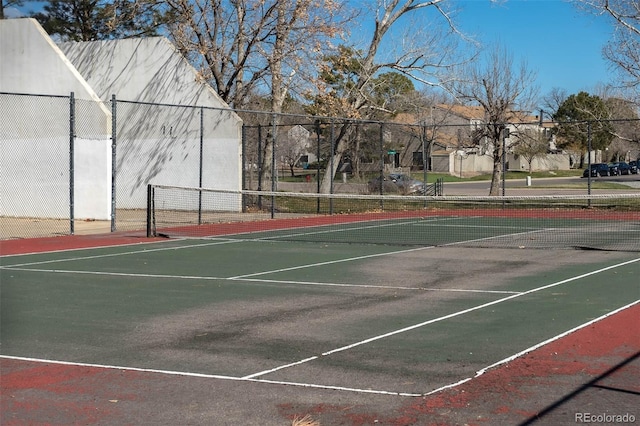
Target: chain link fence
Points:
(68, 162)
(35, 165)
(305, 154)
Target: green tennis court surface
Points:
(268, 306)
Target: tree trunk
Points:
(332, 168)
(496, 176)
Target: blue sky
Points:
(562, 44)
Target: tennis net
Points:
(599, 222)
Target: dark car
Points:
(597, 169)
(633, 165)
(397, 183)
(619, 168)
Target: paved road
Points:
(543, 186)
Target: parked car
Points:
(597, 169)
(397, 183)
(633, 165)
(619, 168)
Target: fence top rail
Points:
(327, 120)
(36, 95)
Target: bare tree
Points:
(503, 91)
(626, 128)
(4, 4)
(530, 144)
(293, 146)
(422, 56)
(246, 47)
(250, 46)
(552, 101)
(623, 51)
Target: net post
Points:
(149, 210)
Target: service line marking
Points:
(257, 280)
(442, 318)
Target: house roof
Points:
(465, 111)
(476, 112)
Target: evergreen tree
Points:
(582, 116)
(89, 20)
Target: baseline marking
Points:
(209, 376)
(316, 386)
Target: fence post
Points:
(589, 162)
(72, 135)
(200, 165)
(381, 147)
(260, 165)
(317, 126)
(423, 135)
(244, 167)
(332, 159)
(274, 166)
(114, 161)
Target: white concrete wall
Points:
(35, 176)
(160, 144)
(30, 62)
(473, 164)
(34, 135)
(35, 131)
(547, 162)
(92, 179)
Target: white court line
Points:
(531, 349)
(34, 253)
(114, 274)
(256, 280)
(494, 237)
(316, 386)
(228, 240)
(219, 240)
(331, 262)
(252, 376)
(209, 376)
(446, 225)
(347, 228)
(100, 256)
(442, 318)
(454, 290)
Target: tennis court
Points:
(290, 315)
